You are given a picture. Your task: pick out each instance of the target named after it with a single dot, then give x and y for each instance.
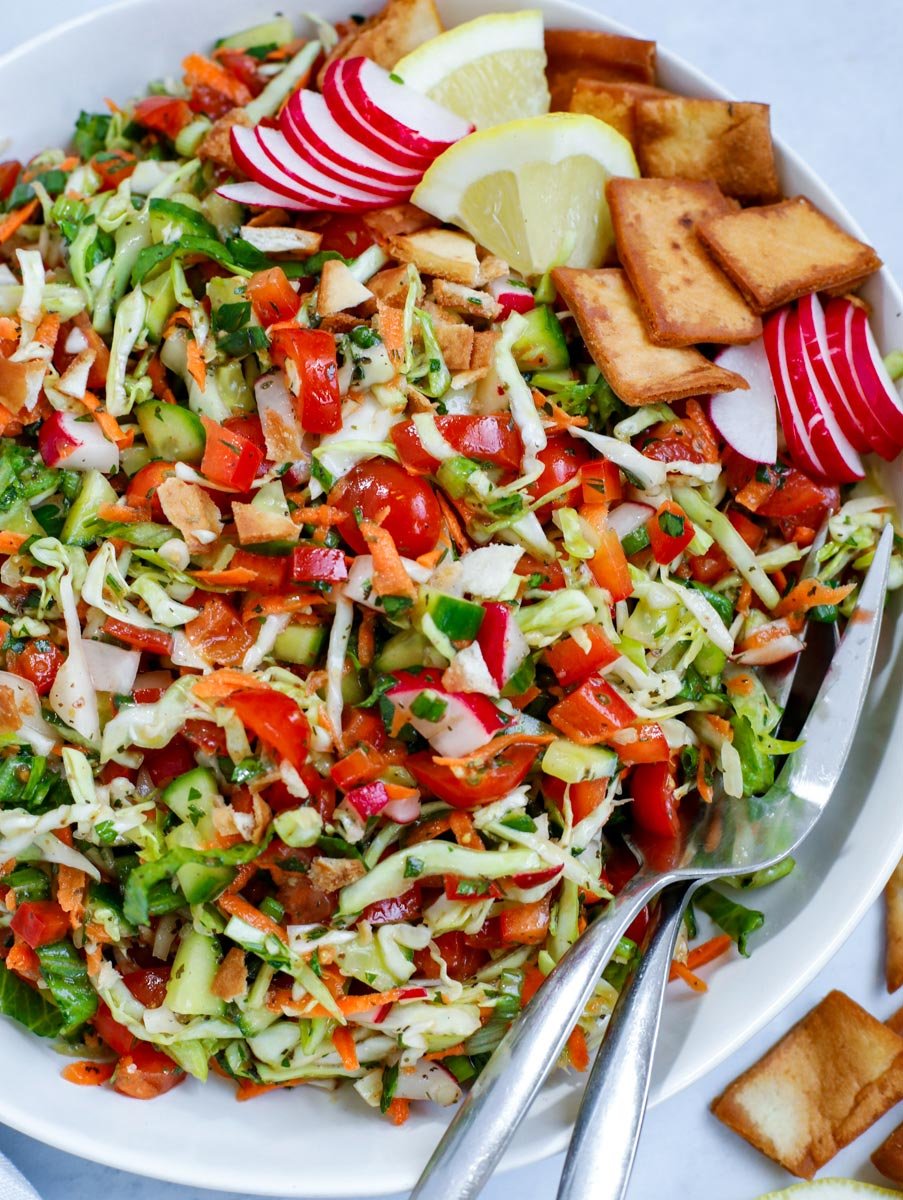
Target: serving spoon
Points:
(763, 830)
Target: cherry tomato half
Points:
(654, 805)
(481, 785)
(39, 662)
(561, 460)
(145, 1073)
(414, 519)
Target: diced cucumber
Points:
(95, 491)
(20, 519)
(162, 303)
(554, 381)
(409, 648)
(458, 619)
(353, 690)
(277, 32)
(227, 289)
(200, 884)
(522, 679)
(133, 458)
(254, 1021)
(171, 220)
(300, 644)
(193, 971)
(710, 660)
(189, 138)
(172, 432)
(225, 214)
(576, 764)
(542, 346)
(191, 796)
(233, 387)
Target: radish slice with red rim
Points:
(748, 420)
(842, 463)
(276, 147)
(340, 176)
(877, 387)
(258, 162)
(879, 410)
(347, 115)
(792, 423)
(75, 444)
(255, 195)
(401, 113)
(314, 122)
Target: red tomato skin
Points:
(170, 761)
(117, 1037)
(39, 922)
(148, 984)
(243, 67)
(654, 807)
(414, 519)
(461, 959)
(561, 459)
(491, 439)
(153, 640)
(39, 663)
(145, 1073)
(112, 167)
(163, 114)
(272, 296)
(9, 173)
(347, 235)
(405, 907)
(487, 786)
(276, 719)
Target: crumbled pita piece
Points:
(396, 221)
(390, 286)
(610, 321)
(456, 344)
(574, 54)
(20, 383)
(330, 874)
(888, 1158)
(443, 252)
(217, 144)
(483, 350)
(282, 239)
(467, 301)
(231, 979)
(191, 510)
(392, 33)
(783, 251)
(492, 267)
(338, 289)
(255, 524)
(685, 298)
(612, 102)
(340, 322)
(825, 1082)
(893, 908)
(727, 141)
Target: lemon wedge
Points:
(488, 70)
(532, 191)
(831, 1189)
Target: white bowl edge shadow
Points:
(840, 870)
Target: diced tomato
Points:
(271, 571)
(154, 640)
(636, 930)
(405, 907)
(164, 114)
(143, 486)
(608, 566)
(363, 726)
(249, 426)
(572, 663)
(274, 718)
(714, 564)
(675, 441)
(206, 736)
(117, 1037)
(670, 532)
(649, 745)
(38, 662)
(209, 102)
(585, 797)
(318, 564)
(549, 576)
(229, 458)
(526, 925)
(414, 519)
(479, 784)
(244, 67)
(562, 459)
(462, 961)
(347, 235)
(797, 495)
(592, 712)
(169, 761)
(148, 985)
(112, 166)
(272, 296)
(218, 634)
(601, 482)
(145, 1073)
(361, 766)
(10, 170)
(493, 439)
(313, 355)
(39, 922)
(654, 805)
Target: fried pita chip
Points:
(888, 1158)
(456, 344)
(685, 298)
(611, 323)
(397, 219)
(573, 54)
(443, 252)
(825, 1082)
(476, 305)
(612, 102)
(784, 251)
(483, 351)
(338, 289)
(723, 140)
(896, 1022)
(893, 908)
(395, 31)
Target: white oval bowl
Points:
(308, 1142)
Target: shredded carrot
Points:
(222, 683)
(343, 1040)
(88, 1074)
(709, 951)
(123, 514)
(766, 633)
(578, 1052)
(744, 600)
(389, 576)
(679, 971)
(810, 593)
(248, 1090)
(112, 105)
(702, 784)
(560, 418)
(16, 219)
(201, 71)
(48, 331)
(71, 886)
(237, 906)
(10, 542)
(438, 1055)
(180, 317)
(779, 579)
(366, 644)
(720, 726)
(455, 532)
(255, 605)
(245, 873)
(391, 330)
(491, 749)
(197, 368)
(231, 577)
(398, 1111)
(23, 960)
(9, 330)
(431, 558)
(350, 1005)
(113, 431)
(740, 685)
(397, 791)
(156, 373)
(93, 960)
(462, 826)
(322, 514)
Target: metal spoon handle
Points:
(604, 1142)
(501, 1097)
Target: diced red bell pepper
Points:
(112, 167)
(572, 663)
(525, 925)
(229, 458)
(313, 355)
(272, 296)
(148, 985)
(164, 114)
(654, 806)
(10, 170)
(362, 765)
(117, 1037)
(670, 532)
(405, 907)
(608, 566)
(276, 719)
(462, 960)
(318, 564)
(145, 1073)
(601, 482)
(153, 640)
(494, 439)
(585, 797)
(39, 922)
(649, 745)
(592, 712)
(271, 571)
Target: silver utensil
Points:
(761, 832)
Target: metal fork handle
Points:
(499, 1100)
(604, 1142)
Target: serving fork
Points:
(761, 831)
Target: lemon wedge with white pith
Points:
(831, 1189)
(488, 70)
(532, 191)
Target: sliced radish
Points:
(258, 162)
(400, 112)
(404, 811)
(345, 114)
(512, 295)
(874, 384)
(256, 195)
(860, 427)
(467, 722)
(369, 799)
(503, 645)
(880, 423)
(428, 1081)
(307, 176)
(748, 420)
(532, 879)
(833, 448)
(795, 431)
(312, 121)
(76, 443)
(625, 518)
(772, 643)
(343, 176)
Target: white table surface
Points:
(833, 73)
